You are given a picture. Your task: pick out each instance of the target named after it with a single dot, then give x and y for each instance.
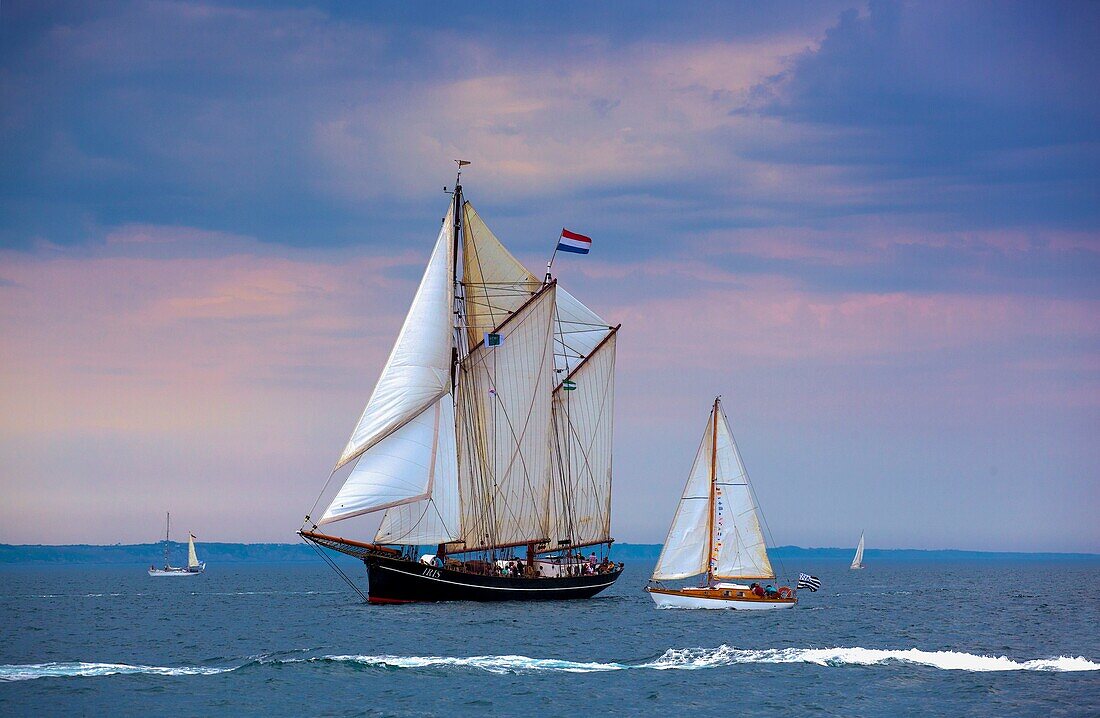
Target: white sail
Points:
(192, 557)
(504, 429)
(580, 505)
(857, 560)
(739, 547)
(685, 551)
(434, 519)
(418, 371)
(402, 467)
(577, 332)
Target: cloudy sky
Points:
(874, 228)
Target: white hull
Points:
(679, 600)
(177, 571)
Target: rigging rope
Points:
(334, 567)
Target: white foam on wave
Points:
(492, 664)
(76, 669)
(683, 659)
(695, 658)
(700, 658)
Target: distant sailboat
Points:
(857, 560)
(717, 531)
(194, 566)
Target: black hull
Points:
(400, 581)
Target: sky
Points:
(874, 229)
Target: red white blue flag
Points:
(573, 242)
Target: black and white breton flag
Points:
(805, 580)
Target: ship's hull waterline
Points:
(160, 572)
(395, 580)
(673, 598)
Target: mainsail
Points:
(504, 429)
(716, 529)
(857, 560)
(477, 442)
(192, 557)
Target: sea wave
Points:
(700, 658)
(673, 659)
(80, 669)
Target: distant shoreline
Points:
(240, 553)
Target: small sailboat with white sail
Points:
(857, 560)
(193, 567)
(717, 532)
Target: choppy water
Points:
(905, 638)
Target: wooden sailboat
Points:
(857, 560)
(488, 436)
(193, 567)
(717, 532)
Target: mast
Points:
(713, 486)
(167, 529)
(456, 210)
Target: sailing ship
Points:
(857, 560)
(717, 532)
(488, 436)
(193, 567)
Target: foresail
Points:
(435, 519)
(685, 551)
(418, 371)
(402, 467)
(580, 504)
(739, 546)
(504, 398)
(495, 283)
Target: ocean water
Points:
(1014, 638)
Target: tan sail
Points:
(504, 397)
(580, 505)
(494, 281)
(192, 557)
(740, 551)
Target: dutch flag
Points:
(573, 242)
